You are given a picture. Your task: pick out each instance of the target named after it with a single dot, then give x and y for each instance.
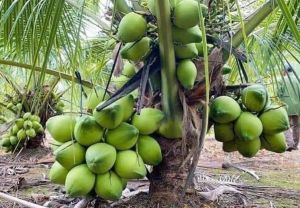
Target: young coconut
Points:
(148, 121)
(224, 132)
(188, 51)
(186, 14)
(30, 133)
(186, 73)
(199, 47)
(274, 143)
(109, 117)
(186, 36)
(127, 105)
(13, 140)
(130, 165)
(100, 157)
(136, 51)
(248, 148)
(274, 120)
(229, 146)
(109, 186)
(87, 131)
(21, 135)
(248, 127)
(224, 109)
(255, 97)
(129, 69)
(19, 122)
(79, 181)
(123, 137)
(95, 97)
(61, 127)
(70, 154)
(119, 81)
(149, 150)
(132, 27)
(58, 173)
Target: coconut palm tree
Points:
(47, 39)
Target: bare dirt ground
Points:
(270, 180)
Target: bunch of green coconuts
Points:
(138, 37)
(97, 153)
(251, 124)
(24, 128)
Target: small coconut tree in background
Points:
(176, 52)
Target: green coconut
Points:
(19, 122)
(148, 121)
(130, 165)
(132, 27)
(61, 127)
(58, 173)
(188, 51)
(224, 109)
(123, 137)
(127, 105)
(275, 120)
(149, 150)
(129, 69)
(254, 97)
(109, 186)
(27, 124)
(13, 140)
(95, 97)
(54, 144)
(26, 115)
(186, 14)
(224, 132)
(119, 81)
(80, 181)
(136, 51)
(248, 127)
(30, 133)
(15, 129)
(248, 148)
(229, 146)
(36, 125)
(185, 36)
(110, 117)
(70, 154)
(121, 6)
(171, 129)
(199, 47)
(87, 131)
(21, 135)
(100, 157)
(35, 118)
(186, 73)
(5, 141)
(274, 143)
(226, 69)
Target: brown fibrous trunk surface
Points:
(169, 180)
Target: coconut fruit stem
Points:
(170, 102)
